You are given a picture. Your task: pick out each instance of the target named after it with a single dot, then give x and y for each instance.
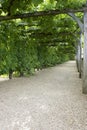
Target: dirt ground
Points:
(52, 99)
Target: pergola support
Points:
(85, 53)
(81, 25)
(78, 57)
(81, 60)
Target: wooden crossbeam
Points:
(40, 13)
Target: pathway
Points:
(52, 99)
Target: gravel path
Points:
(52, 99)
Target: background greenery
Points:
(36, 43)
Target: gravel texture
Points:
(52, 99)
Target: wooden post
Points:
(85, 53)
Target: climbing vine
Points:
(37, 42)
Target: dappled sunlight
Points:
(3, 79)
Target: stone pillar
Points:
(80, 64)
(85, 53)
(78, 56)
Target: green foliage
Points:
(12, 7)
(36, 43)
(36, 2)
(73, 4)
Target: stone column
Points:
(85, 53)
(80, 66)
(78, 56)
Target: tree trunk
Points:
(21, 74)
(10, 73)
(85, 54)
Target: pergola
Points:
(83, 30)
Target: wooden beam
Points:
(81, 25)
(40, 13)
